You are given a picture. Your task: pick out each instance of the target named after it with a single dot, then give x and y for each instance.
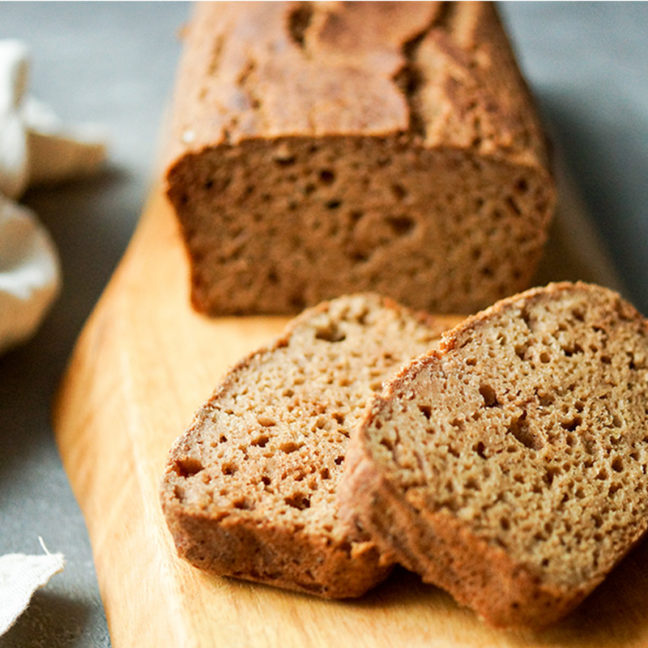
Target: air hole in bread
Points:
(520, 429)
(572, 349)
(571, 424)
(229, 468)
(472, 484)
(480, 449)
(488, 394)
(188, 466)
(426, 410)
(331, 333)
(298, 500)
(550, 473)
(546, 398)
(401, 225)
(327, 176)
(243, 504)
(298, 21)
(613, 489)
(399, 191)
(578, 315)
(521, 186)
(289, 446)
(355, 216)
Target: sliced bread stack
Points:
(250, 489)
(509, 467)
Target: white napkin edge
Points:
(20, 576)
(30, 273)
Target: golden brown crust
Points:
(399, 137)
(332, 78)
(264, 552)
(300, 89)
(505, 571)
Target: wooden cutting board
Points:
(142, 365)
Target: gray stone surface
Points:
(114, 64)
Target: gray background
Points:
(114, 64)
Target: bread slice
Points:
(509, 467)
(323, 148)
(249, 490)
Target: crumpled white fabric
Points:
(14, 67)
(35, 147)
(29, 273)
(20, 577)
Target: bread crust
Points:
(434, 541)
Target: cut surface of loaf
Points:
(249, 489)
(510, 466)
(325, 148)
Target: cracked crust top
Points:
(442, 73)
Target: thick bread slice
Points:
(249, 490)
(510, 467)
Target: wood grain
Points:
(142, 366)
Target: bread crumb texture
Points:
(510, 468)
(324, 148)
(250, 488)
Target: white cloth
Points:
(57, 152)
(13, 136)
(35, 147)
(20, 577)
(29, 273)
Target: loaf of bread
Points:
(510, 467)
(249, 490)
(319, 149)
